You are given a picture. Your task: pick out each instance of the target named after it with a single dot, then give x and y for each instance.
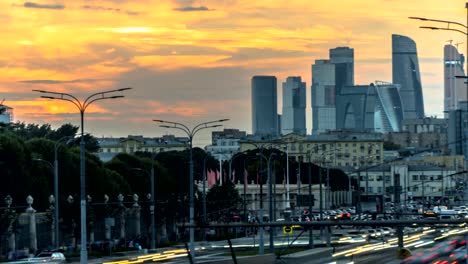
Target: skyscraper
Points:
(343, 58)
(293, 119)
(328, 77)
(454, 88)
(323, 96)
(405, 70)
(264, 106)
(374, 108)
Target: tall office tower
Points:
(264, 106)
(455, 88)
(405, 69)
(388, 116)
(323, 96)
(343, 58)
(293, 119)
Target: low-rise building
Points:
(109, 147)
(335, 148)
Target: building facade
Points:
(420, 182)
(293, 119)
(323, 96)
(455, 89)
(458, 130)
(6, 116)
(264, 106)
(428, 133)
(343, 59)
(405, 71)
(109, 147)
(328, 78)
(375, 107)
(333, 149)
(389, 110)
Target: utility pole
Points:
(397, 192)
(310, 200)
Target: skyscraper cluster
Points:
(339, 104)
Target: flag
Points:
(234, 176)
(211, 178)
(217, 175)
(246, 179)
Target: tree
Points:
(388, 145)
(223, 201)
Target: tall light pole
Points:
(270, 204)
(190, 133)
(56, 206)
(152, 201)
(230, 163)
(82, 105)
(204, 195)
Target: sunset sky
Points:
(192, 61)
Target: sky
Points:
(191, 61)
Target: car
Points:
(343, 216)
(49, 257)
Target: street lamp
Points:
(56, 200)
(230, 163)
(270, 204)
(190, 133)
(152, 200)
(56, 206)
(82, 105)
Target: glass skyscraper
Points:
(343, 58)
(455, 89)
(293, 119)
(323, 96)
(328, 78)
(264, 106)
(374, 108)
(405, 70)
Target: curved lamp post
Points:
(82, 105)
(270, 204)
(56, 201)
(152, 201)
(191, 133)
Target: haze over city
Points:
(192, 61)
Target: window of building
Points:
(439, 177)
(423, 178)
(370, 189)
(415, 189)
(415, 177)
(379, 189)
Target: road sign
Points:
(287, 230)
